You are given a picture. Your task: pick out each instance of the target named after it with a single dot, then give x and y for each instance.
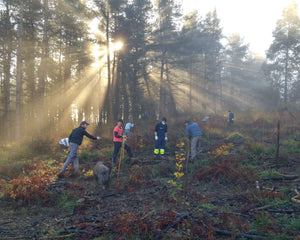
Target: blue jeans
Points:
(73, 157)
(127, 132)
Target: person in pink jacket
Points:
(118, 139)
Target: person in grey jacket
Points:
(194, 133)
(75, 140)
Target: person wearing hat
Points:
(194, 133)
(161, 136)
(118, 139)
(75, 140)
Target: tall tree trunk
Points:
(43, 66)
(109, 85)
(19, 74)
(286, 75)
(67, 64)
(28, 53)
(7, 75)
(204, 104)
(172, 107)
(125, 98)
(161, 87)
(117, 107)
(191, 85)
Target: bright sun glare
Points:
(97, 50)
(255, 20)
(117, 46)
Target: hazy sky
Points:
(253, 19)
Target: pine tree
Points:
(19, 74)
(7, 41)
(282, 65)
(211, 35)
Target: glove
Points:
(156, 137)
(166, 138)
(98, 137)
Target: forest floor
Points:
(235, 190)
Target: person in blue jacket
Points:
(194, 133)
(161, 136)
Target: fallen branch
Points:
(110, 195)
(5, 223)
(233, 213)
(282, 177)
(283, 211)
(289, 177)
(295, 198)
(229, 233)
(22, 237)
(239, 235)
(72, 231)
(260, 208)
(60, 236)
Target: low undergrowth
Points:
(151, 200)
(31, 185)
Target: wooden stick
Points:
(121, 155)
(186, 167)
(263, 136)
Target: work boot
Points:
(61, 175)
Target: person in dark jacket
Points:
(118, 138)
(161, 136)
(75, 140)
(194, 133)
(230, 117)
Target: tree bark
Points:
(278, 144)
(7, 74)
(109, 85)
(43, 65)
(172, 108)
(19, 74)
(161, 86)
(191, 84)
(286, 75)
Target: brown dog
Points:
(102, 173)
